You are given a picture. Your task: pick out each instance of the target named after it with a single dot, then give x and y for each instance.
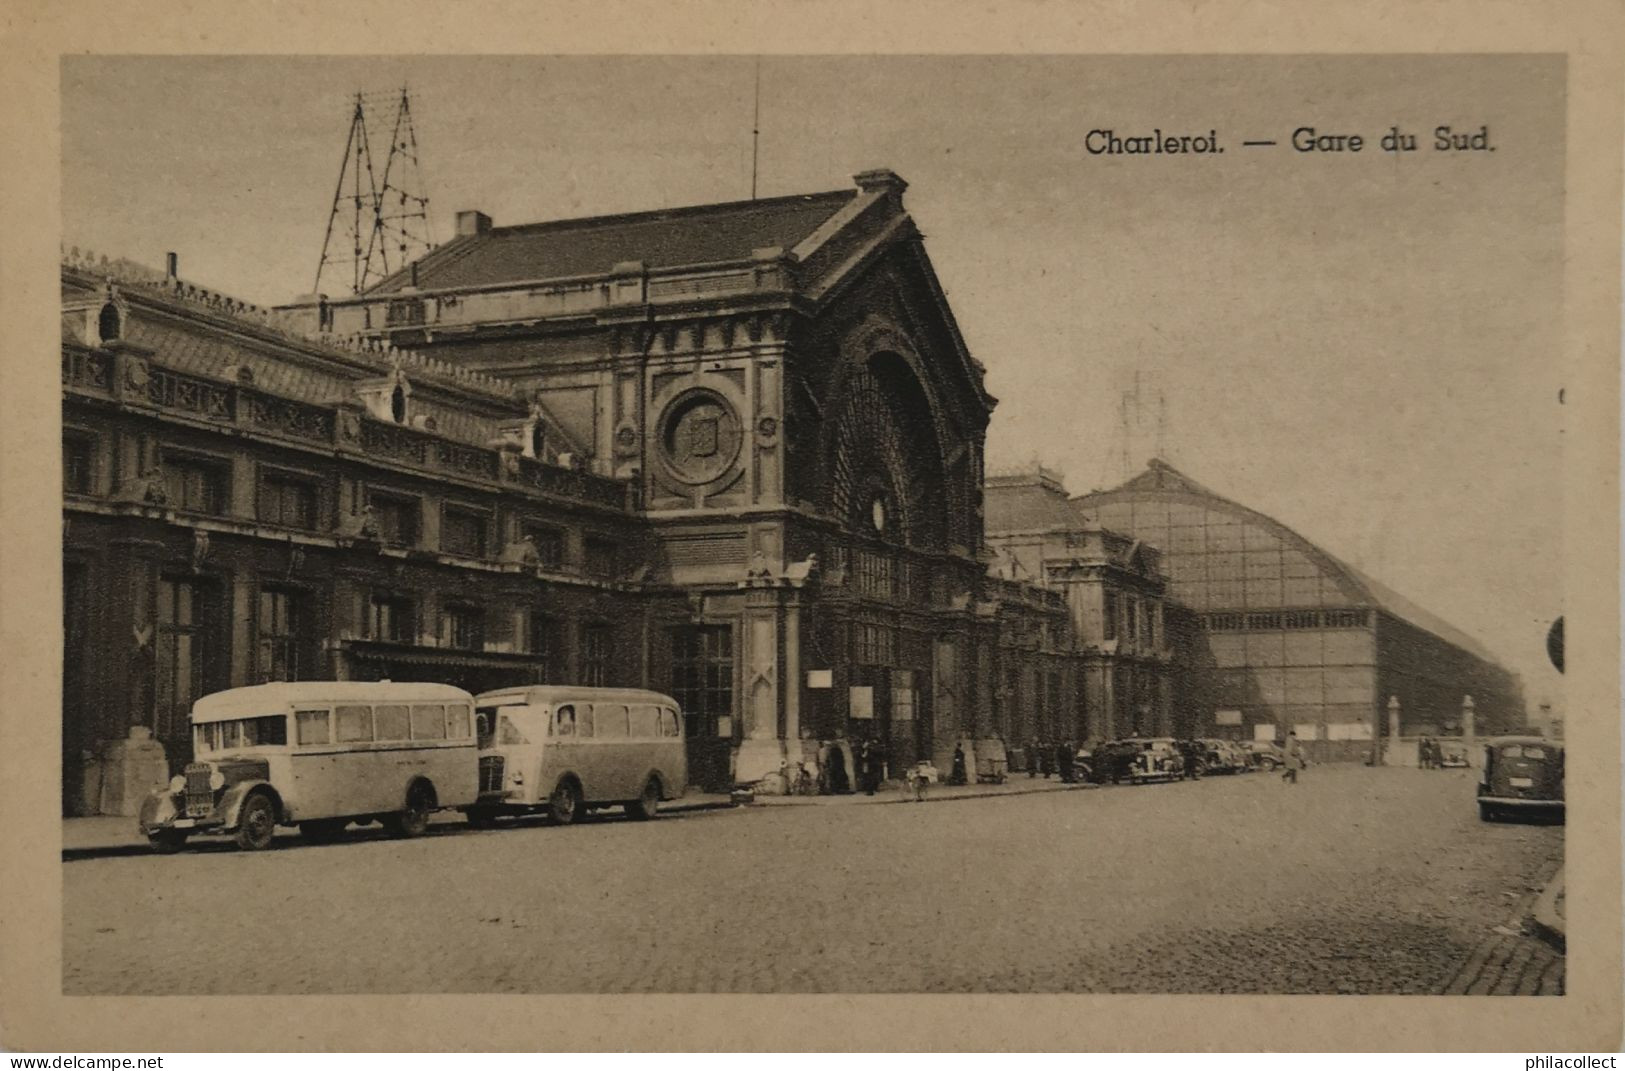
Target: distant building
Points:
(1271, 634)
(1115, 594)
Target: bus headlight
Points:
(217, 780)
(177, 783)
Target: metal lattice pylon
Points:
(379, 222)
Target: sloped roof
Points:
(1160, 477)
(700, 234)
(1025, 508)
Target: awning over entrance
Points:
(474, 671)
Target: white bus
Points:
(319, 755)
(567, 750)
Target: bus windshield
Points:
(267, 730)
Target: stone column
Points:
(1469, 728)
(761, 751)
(1390, 754)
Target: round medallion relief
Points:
(700, 437)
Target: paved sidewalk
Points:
(897, 792)
(98, 836)
(112, 835)
(1548, 918)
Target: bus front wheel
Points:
(564, 806)
(256, 823)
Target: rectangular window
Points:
(312, 727)
(549, 544)
(78, 464)
(183, 641)
(543, 641)
(1108, 617)
(391, 722)
(1345, 618)
(287, 501)
(702, 675)
(462, 627)
(195, 484)
(609, 721)
(392, 618)
(457, 722)
(463, 532)
(352, 724)
(281, 620)
(601, 559)
(396, 517)
(597, 649)
(875, 576)
(644, 722)
(428, 721)
(668, 722)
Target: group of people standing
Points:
(1429, 754)
(1046, 759)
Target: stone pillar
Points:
(761, 750)
(1390, 755)
(792, 674)
(1469, 728)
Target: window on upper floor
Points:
(1108, 616)
(392, 617)
(286, 500)
(602, 558)
(78, 464)
(463, 532)
(549, 543)
(194, 483)
(597, 653)
(462, 627)
(397, 517)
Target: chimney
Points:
(880, 180)
(172, 265)
(471, 222)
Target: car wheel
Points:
(647, 805)
(322, 830)
(564, 805)
(256, 823)
(167, 841)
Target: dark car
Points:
(1199, 758)
(1521, 775)
(1265, 755)
(1107, 763)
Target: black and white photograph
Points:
(810, 524)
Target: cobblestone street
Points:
(1354, 880)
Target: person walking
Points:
(1295, 760)
(866, 767)
(958, 776)
(1063, 761)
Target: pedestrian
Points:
(1033, 750)
(1046, 759)
(958, 775)
(1063, 761)
(866, 767)
(1295, 760)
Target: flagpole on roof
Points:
(756, 128)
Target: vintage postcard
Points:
(534, 529)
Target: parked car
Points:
(1197, 755)
(1521, 775)
(1264, 755)
(1109, 762)
(1225, 756)
(1156, 759)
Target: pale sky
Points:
(1365, 346)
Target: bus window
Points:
(508, 732)
(312, 727)
(564, 720)
(456, 722)
(609, 721)
(354, 723)
(390, 722)
(428, 721)
(669, 725)
(645, 721)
